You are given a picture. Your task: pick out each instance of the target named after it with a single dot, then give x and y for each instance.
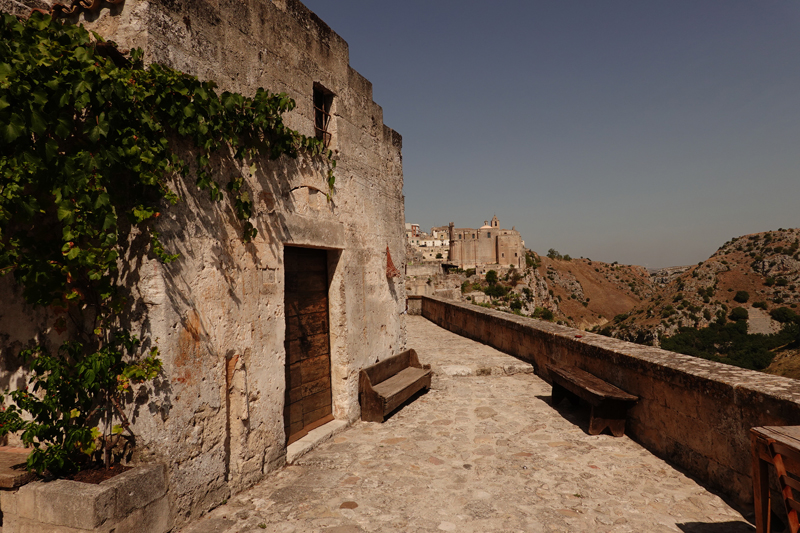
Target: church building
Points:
(487, 245)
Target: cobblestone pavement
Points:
(476, 453)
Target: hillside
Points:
(758, 272)
(579, 292)
(736, 290)
(585, 293)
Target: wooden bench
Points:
(384, 386)
(609, 403)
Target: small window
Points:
(473, 235)
(503, 254)
(489, 235)
(323, 99)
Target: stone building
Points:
(264, 340)
(421, 246)
(487, 245)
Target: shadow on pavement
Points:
(719, 527)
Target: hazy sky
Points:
(639, 132)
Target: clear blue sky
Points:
(640, 132)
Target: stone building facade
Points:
(487, 245)
(236, 323)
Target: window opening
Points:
(322, 114)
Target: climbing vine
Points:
(87, 138)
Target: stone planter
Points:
(132, 502)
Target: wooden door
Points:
(308, 360)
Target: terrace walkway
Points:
(482, 451)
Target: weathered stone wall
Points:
(427, 268)
(693, 412)
(216, 416)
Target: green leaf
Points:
(63, 212)
(14, 129)
(38, 122)
(3, 102)
(39, 97)
(5, 71)
(50, 149)
(63, 127)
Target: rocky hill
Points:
(747, 278)
(758, 272)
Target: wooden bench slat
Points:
(399, 381)
(589, 383)
(421, 381)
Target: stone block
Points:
(137, 498)
(153, 518)
(136, 488)
(8, 502)
(73, 504)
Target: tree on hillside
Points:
(738, 313)
(491, 277)
(741, 297)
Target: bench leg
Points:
(558, 394)
(609, 415)
(371, 407)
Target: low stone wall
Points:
(694, 413)
(132, 502)
(423, 269)
(414, 305)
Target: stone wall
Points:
(427, 269)
(215, 416)
(693, 412)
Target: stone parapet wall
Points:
(695, 413)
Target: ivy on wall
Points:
(86, 137)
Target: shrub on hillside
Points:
(491, 277)
(738, 313)
(741, 297)
(731, 344)
(784, 315)
(552, 253)
(496, 290)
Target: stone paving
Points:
(477, 453)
